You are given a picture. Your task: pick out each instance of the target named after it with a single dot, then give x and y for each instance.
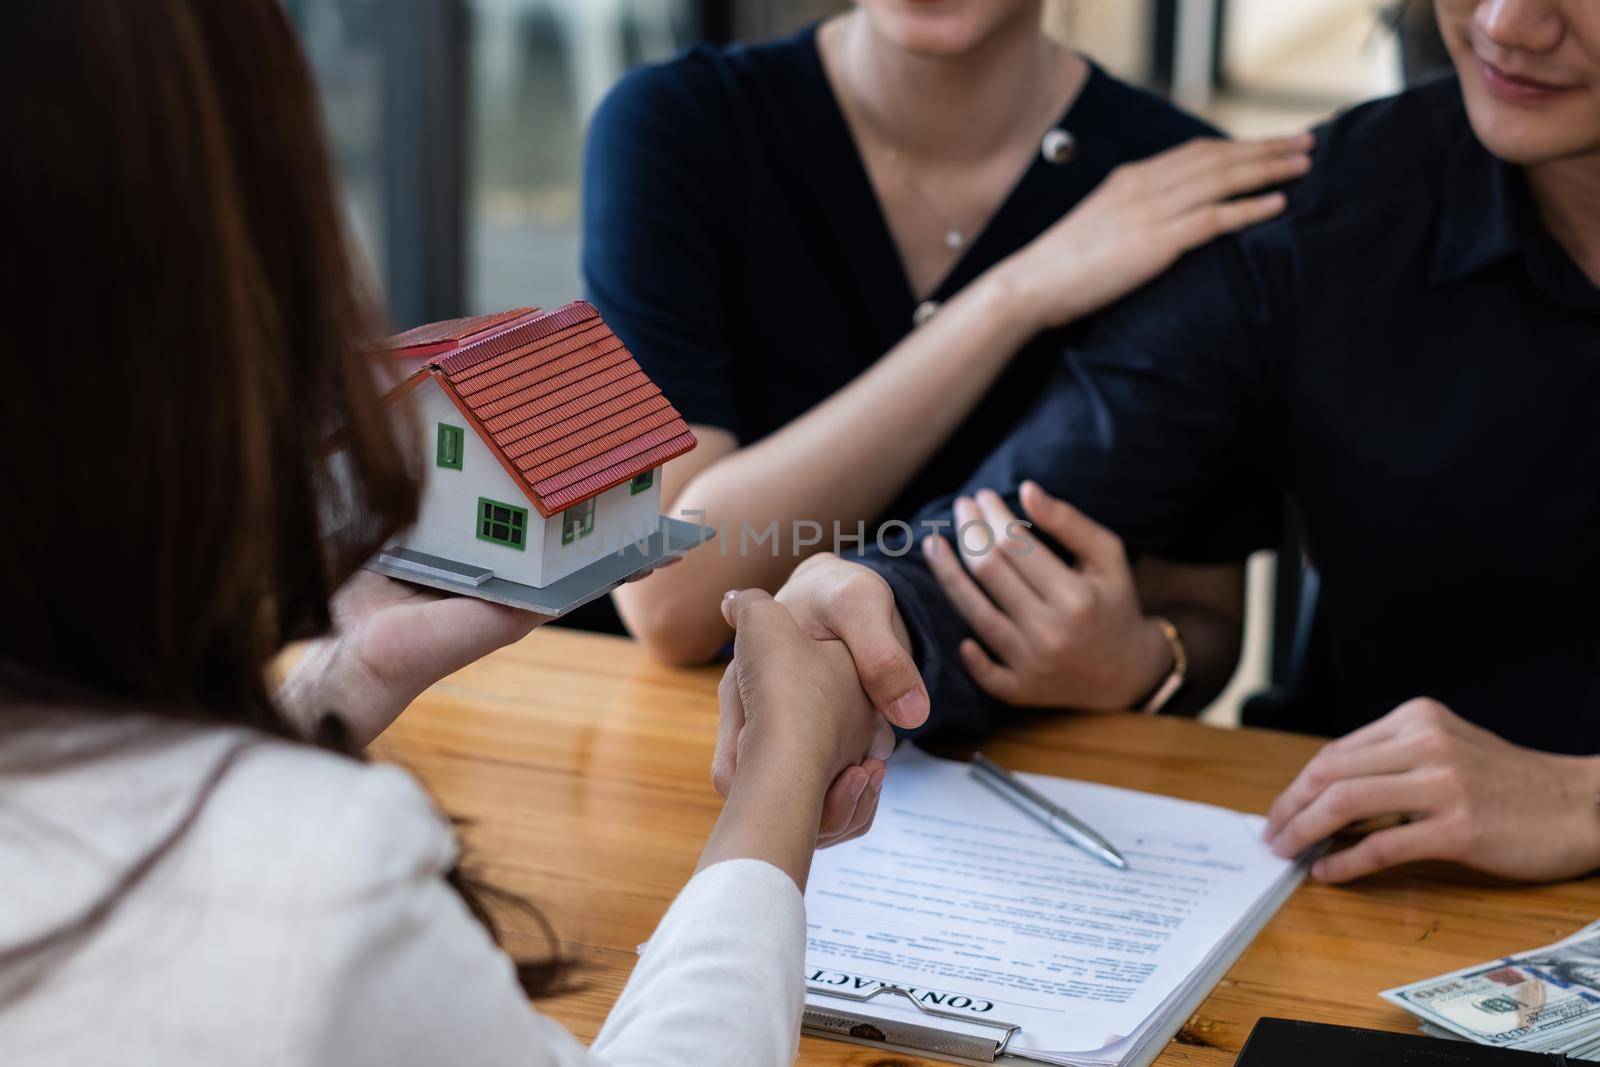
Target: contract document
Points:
(1007, 940)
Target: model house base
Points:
(672, 539)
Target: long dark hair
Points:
(196, 455)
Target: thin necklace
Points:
(955, 234)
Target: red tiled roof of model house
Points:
(562, 404)
(437, 337)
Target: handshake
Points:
(819, 675)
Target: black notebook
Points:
(1287, 1043)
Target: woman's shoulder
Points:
(706, 87)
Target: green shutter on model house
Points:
(451, 439)
(504, 524)
(642, 482)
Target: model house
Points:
(544, 443)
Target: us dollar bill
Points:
(1546, 999)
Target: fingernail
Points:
(1319, 870)
(877, 781)
(730, 594)
(860, 787)
(931, 546)
(909, 708)
(1279, 850)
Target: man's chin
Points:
(1533, 140)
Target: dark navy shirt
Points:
(1411, 356)
(734, 242)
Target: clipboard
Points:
(843, 1025)
(930, 1040)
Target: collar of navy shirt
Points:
(1487, 216)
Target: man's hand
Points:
(1066, 635)
(1467, 796)
(799, 701)
(831, 598)
(390, 641)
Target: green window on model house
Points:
(577, 522)
(504, 524)
(450, 441)
(642, 482)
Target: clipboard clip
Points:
(1007, 1030)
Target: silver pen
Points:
(1042, 809)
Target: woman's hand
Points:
(800, 750)
(1066, 636)
(1146, 215)
(390, 641)
(1466, 796)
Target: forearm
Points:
(772, 814)
(676, 612)
(838, 465)
(849, 456)
(723, 970)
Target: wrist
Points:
(1586, 772)
(771, 814)
(304, 691)
(331, 678)
(1152, 665)
(786, 756)
(1011, 292)
(1035, 298)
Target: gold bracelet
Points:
(1180, 667)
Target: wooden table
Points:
(582, 766)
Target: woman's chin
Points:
(941, 29)
(935, 40)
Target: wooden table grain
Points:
(581, 768)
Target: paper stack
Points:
(1019, 942)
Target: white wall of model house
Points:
(621, 518)
(448, 519)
